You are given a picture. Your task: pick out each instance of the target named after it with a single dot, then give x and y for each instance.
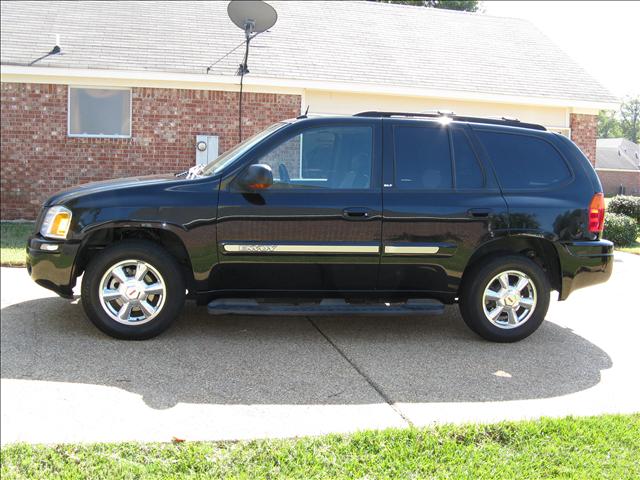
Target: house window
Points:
(99, 112)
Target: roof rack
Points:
(512, 122)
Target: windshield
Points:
(230, 156)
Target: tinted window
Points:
(337, 157)
(468, 171)
(422, 158)
(522, 161)
(230, 156)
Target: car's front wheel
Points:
(133, 290)
(505, 299)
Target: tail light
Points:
(596, 213)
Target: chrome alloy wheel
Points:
(132, 292)
(509, 299)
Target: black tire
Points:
(472, 303)
(153, 255)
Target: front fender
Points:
(197, 238)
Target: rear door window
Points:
(422, 158)
(523, 161)
(468, 171)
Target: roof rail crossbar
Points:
(459, 118)
(439, 112)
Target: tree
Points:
(608, 124)
(630, 118)
(466, 5)
(625, 123)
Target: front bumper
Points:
(583, 264)
(51, 264)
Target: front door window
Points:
(332, 157)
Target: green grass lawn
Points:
(13, 243)
(635, 248)
(595, 447)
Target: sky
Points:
(602, 36)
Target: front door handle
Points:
(357, 213)
(479, 212)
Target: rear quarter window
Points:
(523, 161)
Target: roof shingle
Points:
(363, 42)
(617, 154)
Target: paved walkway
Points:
(211, 378)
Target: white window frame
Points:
(301, 168)
(301, 158)
(97, 135)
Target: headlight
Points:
(56, 222)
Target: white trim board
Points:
(20, 74)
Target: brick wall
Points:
(38, 158)
(611, 182)
(584, 131)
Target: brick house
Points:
(618, 166)
(130, 93)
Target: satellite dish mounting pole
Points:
(243, 69)
(254, 17)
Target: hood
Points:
(72, 193)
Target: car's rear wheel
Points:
(133, 290)
(505, 299)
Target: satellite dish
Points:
(252, 16)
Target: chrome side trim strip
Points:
(410, 250)
(267, 248)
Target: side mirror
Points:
(256, 177)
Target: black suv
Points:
(376, 213)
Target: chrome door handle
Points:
(356, 213)
(478, 212)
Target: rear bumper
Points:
(51, 264)
(583, 264)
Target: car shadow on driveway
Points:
(332, 361)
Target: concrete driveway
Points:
(211, 378)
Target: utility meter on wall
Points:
(206, 148)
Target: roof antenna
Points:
(54, 51)
(304, 115)
(254, 17)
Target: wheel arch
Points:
(540, 250)
(99, 238)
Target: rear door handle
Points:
(479, 212)
(357, 213)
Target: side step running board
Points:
(240, 306)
